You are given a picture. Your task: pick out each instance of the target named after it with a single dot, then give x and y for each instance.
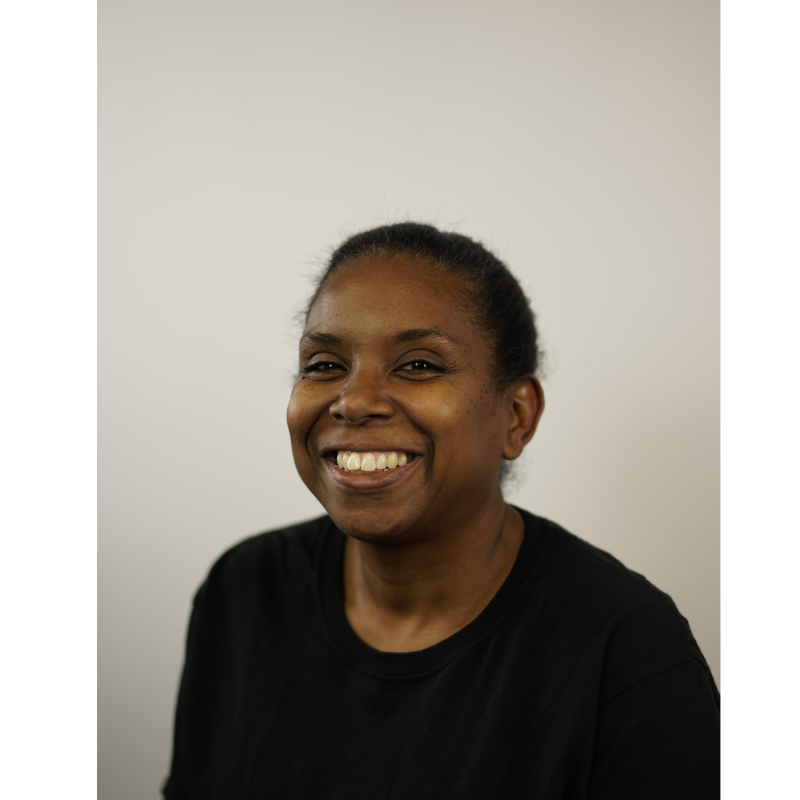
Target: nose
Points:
(362, 399)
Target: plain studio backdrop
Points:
(240, 141)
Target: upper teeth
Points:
(370, 461)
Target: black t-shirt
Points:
(578, 680)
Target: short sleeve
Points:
(660, 739)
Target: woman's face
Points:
(391, 362)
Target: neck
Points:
(409, 596)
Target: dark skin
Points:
(391, 360)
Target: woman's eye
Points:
(418, 365)
(322, 366)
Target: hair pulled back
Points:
(496, 300)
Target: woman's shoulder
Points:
(594, 596)
(268, 561)
(577, 568)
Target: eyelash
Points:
(429, 368)
(317, 366)
(325, 367)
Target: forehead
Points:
(393, 289)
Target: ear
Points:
(527, 405)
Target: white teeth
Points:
(371, 461)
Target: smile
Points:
(384, 468)
(371, 460)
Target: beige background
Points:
(240, 140)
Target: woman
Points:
(427, 640)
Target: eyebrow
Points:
(320, 338)
(402, 337)
(412, 334)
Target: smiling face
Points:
(390, 361)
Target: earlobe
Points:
(526, 410)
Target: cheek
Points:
(301, 412)
(462, 422)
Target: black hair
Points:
(496, 300)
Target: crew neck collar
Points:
(419, 662)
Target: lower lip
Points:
(371, 480)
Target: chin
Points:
(371, 526)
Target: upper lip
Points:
(365, 448)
